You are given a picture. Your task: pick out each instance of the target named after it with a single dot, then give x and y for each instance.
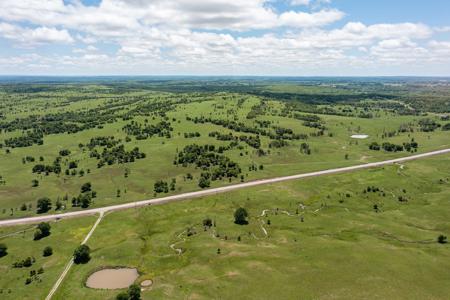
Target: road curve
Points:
(212, 191)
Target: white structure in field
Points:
(359, 136)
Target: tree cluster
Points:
(428, 125)
(42, 231)
(84, 199)
(142, 132)
(133, 293)
(205, 157)
(116, 154)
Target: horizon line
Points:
(225, 75)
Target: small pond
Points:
(112, 278)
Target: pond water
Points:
(112, 278)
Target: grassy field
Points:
(343, 248)
(333, 149)
(64, 237)
(370, 234)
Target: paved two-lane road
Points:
(212, 191)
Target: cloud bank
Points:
(252, 37)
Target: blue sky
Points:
(222, 37)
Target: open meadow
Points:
(378, 233)
(368, 234)
(132, 144)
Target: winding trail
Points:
(213, 191)
(179, 251)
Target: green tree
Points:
(43, 205)
(161, 186)
(207, 222)
(87, 187)
(122, 296)
(240, 216)
(134, 292)
(204, 182)
(43, 230)
(48, 251)
(3, 250)
(82, 254)
(27, 262)
(442, 239)
(59, 205)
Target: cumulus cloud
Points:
(300, 2)
(316, 19)
(115, 17)
(214, 36)
(34, 36)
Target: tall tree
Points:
(240, 216)
(43, 205)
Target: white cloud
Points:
(34, 36)
(119, 17)
(317, 19)
(210, 36)
(300, 2)
(442, 29)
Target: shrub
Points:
(82, 254)
(43, 205)
(133, 293)
(442, 239)
(3, 250)
(48, 251)
(207, 222)
(122, 296)
(87, 187)
(43, 230)
(240, 216)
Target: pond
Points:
(112, 278)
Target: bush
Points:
(27, 262)
(43, 230)
(48, 251)
(207, 222)
(133, 293)
(43, 205)
(446, 127)
(374, 146)
(161, 186)
(204, 182)
(87, 187)
(122, 296)
(3, 250)
(442, 239)
(240, 216)
(82, 254)
(64, 152)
